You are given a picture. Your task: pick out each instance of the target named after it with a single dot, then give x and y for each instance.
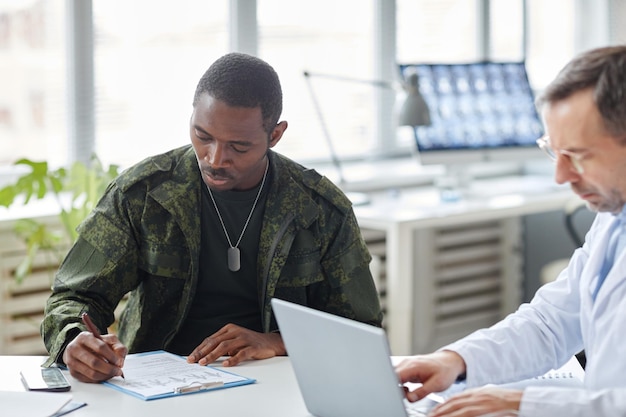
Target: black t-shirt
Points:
(223, 296)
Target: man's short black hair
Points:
(242, 80)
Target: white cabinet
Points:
(445, 269)
(466, 277)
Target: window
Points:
(550, 41)
(32, 81)
(437, 31)
(149, 57)
(299, 36)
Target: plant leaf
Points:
(85, 186)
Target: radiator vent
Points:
(475, 280)
(467, 277)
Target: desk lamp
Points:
(413, 112)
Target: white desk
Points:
(403, 214)
(275, 394)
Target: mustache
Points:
(579, 190)
(216, 172)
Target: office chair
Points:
(574, 210)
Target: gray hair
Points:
(604, 71)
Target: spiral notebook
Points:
(569, 375)
(160, 374)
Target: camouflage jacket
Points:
(144, 238)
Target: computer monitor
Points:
(482, 113)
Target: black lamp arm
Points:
(377, 83)
(327, 137)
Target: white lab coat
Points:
(561, 320)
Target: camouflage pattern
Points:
(144, 238)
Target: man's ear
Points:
(277, 133)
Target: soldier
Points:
(203, 236)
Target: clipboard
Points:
(160, 374)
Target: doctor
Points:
(584, 112)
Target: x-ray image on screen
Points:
(476, 109)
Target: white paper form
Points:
(161, 374)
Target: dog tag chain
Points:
(233, 253)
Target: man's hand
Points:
(240, 344)
(90, 359)
(478, 402)
(436, 371)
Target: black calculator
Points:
(45, 379)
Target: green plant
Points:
(76, 191)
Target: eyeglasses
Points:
(574, 158)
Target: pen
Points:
(93, 329)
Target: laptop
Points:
(343, 367)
